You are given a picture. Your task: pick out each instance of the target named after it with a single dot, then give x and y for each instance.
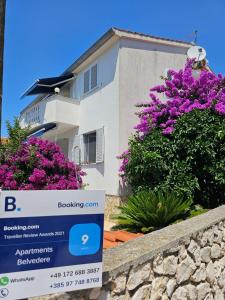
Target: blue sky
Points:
(43, 37)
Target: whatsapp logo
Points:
(4, 280)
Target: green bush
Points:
(148, 210)
(16, 135)
(190, 161)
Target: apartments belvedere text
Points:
(50, 242)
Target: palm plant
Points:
(149, 210)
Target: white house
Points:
(91, 113)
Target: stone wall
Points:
(182, 261)
(111, 205)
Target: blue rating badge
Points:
(84, 239)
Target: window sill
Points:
(91, 164)
(90, 92)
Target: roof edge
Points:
(104, 38)
(122, 33)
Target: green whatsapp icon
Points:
(4, 280)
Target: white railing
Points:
(56, 108)
(32, 115)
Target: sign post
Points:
(50, 242)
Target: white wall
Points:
(126, 71)
(97, 109)
(141, 65)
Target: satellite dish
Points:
(196, 52)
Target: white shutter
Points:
(82, 149)
(76, 149)
(86, 81)
(93, 76)
(100, 145)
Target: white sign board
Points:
(50, 242)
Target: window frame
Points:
(89, 70)
(86, 151)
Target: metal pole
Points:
(2, 30)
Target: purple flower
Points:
(37, 176)
(184, 94)
(168, 130)
(39, 164)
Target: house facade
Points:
(93, 111)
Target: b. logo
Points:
(10, 204)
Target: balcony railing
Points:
(54, 109)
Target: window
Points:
(90, 147)
(90, 79)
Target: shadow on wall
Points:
(124, 190)
(64, 145)
(98, 166)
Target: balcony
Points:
(54, 109)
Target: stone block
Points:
(138, 276)
(205, 254)
(200, 274)
(215, 251)
(170, 287)
(202, 290)
(142, 293)
(165, 266)
(185, 269)
(158, 287)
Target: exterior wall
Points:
(125, 73)
(141, 65)
(98, 109)
(184, 261)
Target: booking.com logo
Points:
(77, 204)
(10, 204)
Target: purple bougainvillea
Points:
(183, 92)
(39, 165)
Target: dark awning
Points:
(47, 85)
(41, 129)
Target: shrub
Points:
(180, 144)
(190, 161)
(148, 210)
(36, 164)
(16, 136)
